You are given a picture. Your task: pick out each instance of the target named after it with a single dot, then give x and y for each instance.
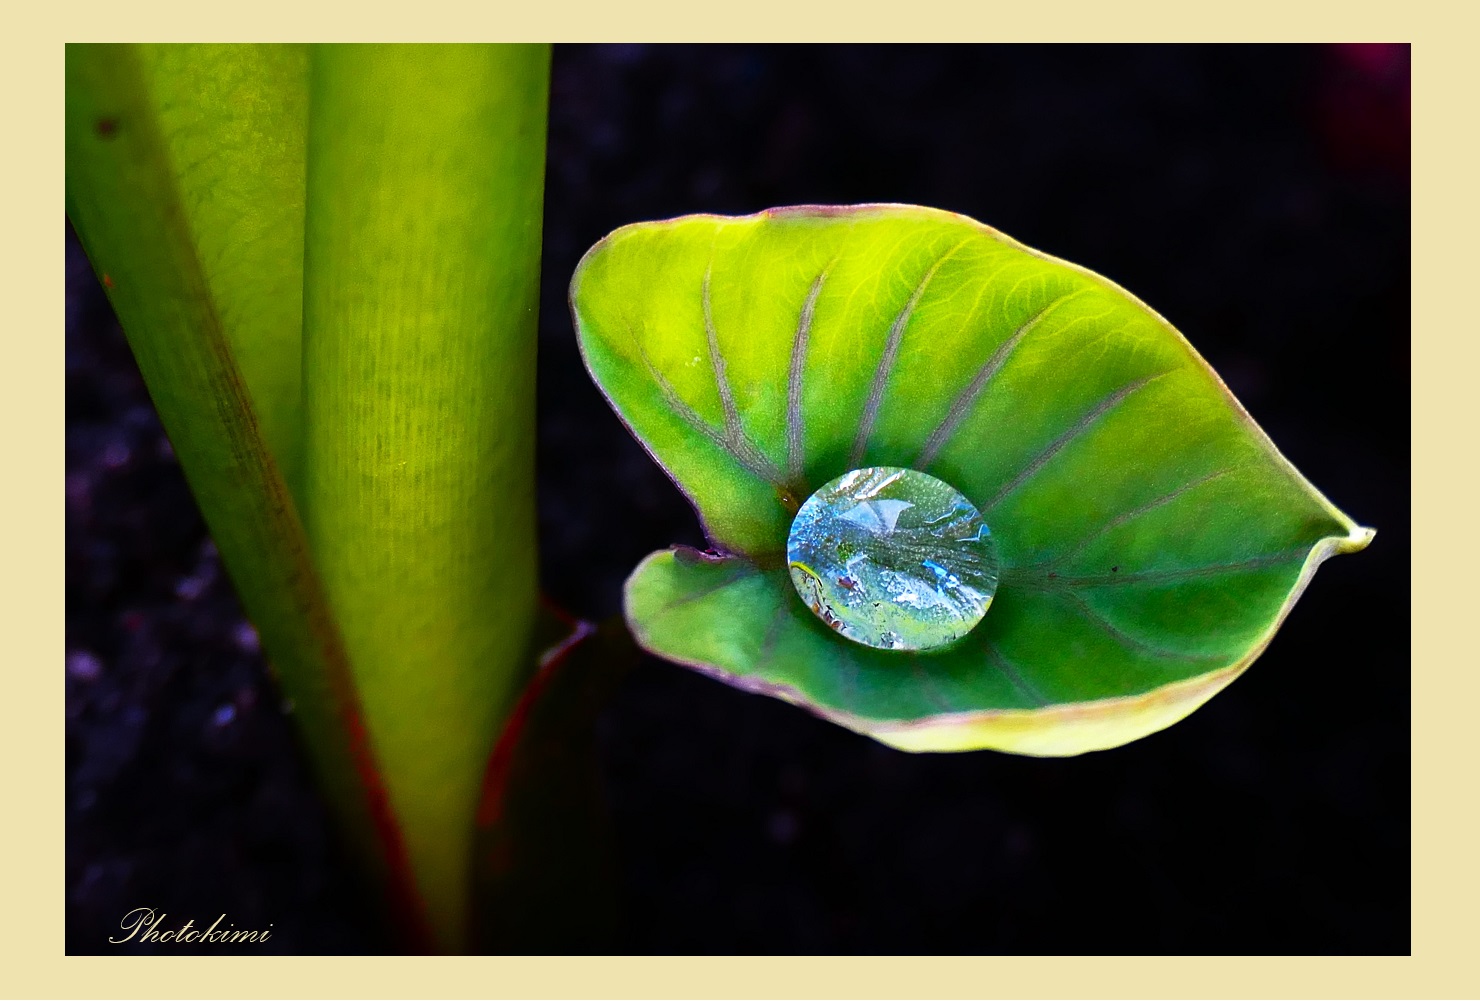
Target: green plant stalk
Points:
(425, 193)
(185, 185)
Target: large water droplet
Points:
(893, 558)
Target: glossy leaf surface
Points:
(1151, 537)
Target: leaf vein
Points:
(682, 600)
(795, 461)
(739, 449)
(1094, 414)
(1137, 512)
(1099, 619)
(717, 366)
(1212, 570)
(929, 688)
(1014, 677)
(768, 643)
(887, 359)
(968, 397)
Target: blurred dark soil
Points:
(1255, 196)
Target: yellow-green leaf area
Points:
(1152, 538)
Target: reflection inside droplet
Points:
(893, 558)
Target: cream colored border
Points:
(1446, 679)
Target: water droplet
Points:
(893, 558)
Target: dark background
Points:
(1255, 196)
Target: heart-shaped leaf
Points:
(1151, 536)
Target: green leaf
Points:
(185, 182)
(425, 191)
(222, 130)
(1152, 538)
(327, 264)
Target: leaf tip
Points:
(1356, 540)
